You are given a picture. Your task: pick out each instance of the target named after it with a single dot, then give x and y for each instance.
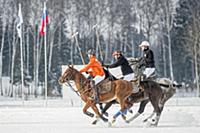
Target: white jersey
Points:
(129, 77)
(98, 79)
(149, 71)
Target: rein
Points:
(72, 88)
(78, 92)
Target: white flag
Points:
(19, 22)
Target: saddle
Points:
(153, 76)
(138, 93)
(108, 75)
(104, 86)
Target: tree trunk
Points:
(27, 46)
(51, 51)
(168, 22)
(13, 63)
(170, 56)
(196, 67)
(164, 59)
(35, 44)
(1, 54)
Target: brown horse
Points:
(149, 91)
(120, 90)
(157, 92)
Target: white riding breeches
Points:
(149, 71)
(129, 77)
(98, 79)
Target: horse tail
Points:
(177, 85)
(164, 85)
(173, 85)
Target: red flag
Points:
(45, 20)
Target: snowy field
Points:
(59, 118)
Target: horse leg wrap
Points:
(103, 118)
(120, 113)
(117, 114)
(89, 114)
(125, 111)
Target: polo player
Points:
(147, 59)
(95, 69)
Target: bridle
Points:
(67, 83)
(78, 92)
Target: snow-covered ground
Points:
(176, 118)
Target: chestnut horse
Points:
(120, 91)
(160, 91)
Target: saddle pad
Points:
(104, 86)
(135, 88)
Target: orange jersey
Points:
(95, 66)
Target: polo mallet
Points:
(98, 42)
(79, 49)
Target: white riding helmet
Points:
(144, 44)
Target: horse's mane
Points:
(81, 75)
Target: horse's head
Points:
(135, 63)
(69, 74)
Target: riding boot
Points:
(96, 97)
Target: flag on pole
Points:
(45, 20)
(19, 22)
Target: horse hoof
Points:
(151, 123)
(130, 111)
(104, 119)
(145, 120)
(113, 121)
(154, 123)
(127, 121)
(94, 122)
(124, 117)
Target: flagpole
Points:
(45, 57)
(22, 69)
(45, 54)
(22, 64)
